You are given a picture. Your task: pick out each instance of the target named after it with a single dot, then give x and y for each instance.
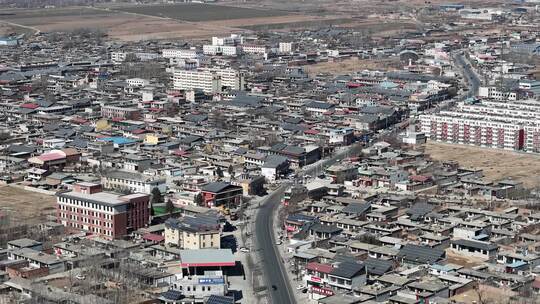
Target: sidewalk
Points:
(286, 258)
(254, 279)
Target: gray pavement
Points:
(276, 273)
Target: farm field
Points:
(198, 12)
(25, 206)
(145, 22)
(497, 164)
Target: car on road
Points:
(244, 249)
(274, 287)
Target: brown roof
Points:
(71, 152)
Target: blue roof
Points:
(440, 267)
(388, 85)
(516, 264)
(118, 140)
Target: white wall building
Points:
(234, 39)
(225, 50)
(511, 125)
(254, 49)
(494, 93)
(118, 57)
(285, 47)
(191, 53)
(137, 82)
(208, 79)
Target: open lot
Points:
(197, 12)
(117, 24)
(189, 21)
(349, 65)
(184, 21)
(25, 206)
(497, 164)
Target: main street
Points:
(274, 271)
(472, 78)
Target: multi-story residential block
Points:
(191, 53)
(122, 180)
(285, 47)
(254, 49)
(233, 39)
(193, 232)
(118, 57)
(221, 194)
(495, 93)
(120, 112)
(224, 50)
(137, 82)
(506, 125)
(105, 214)
(208, 79)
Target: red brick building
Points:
(120, 112)
(105, 214)
(24, 270)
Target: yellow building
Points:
(155, 139)
(193, 232)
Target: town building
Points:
(102, 213)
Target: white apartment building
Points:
(208, 79)
(133, 181)
(225, 50)
(254, 49)
(191, 53)
(285, 47)
(229, 50)
(210, 49)
(234, 39)
(137, 82)
(118, 57)
(494, 93)
(512, 125)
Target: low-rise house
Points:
(483, 250)
(38, 259)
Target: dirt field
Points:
(457, 259)
(197, 12)
(24, 206)
(346, 66)
(144, 23)
(485, 294)
(497, 164)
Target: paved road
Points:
(275, 273)
(472, 79)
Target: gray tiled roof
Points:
(421, 254)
